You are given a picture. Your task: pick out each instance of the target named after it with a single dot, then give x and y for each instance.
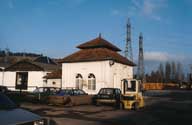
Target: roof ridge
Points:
(98, 42)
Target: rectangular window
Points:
(21, 80)
(131, 86)
(89, 84)
(92, 84)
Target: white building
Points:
(27, 74)
(54, 79)
(96, 65)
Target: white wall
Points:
(106, 75)
(120, 72)
(35, 78)
(1, 78)
(50, 83)
(9, 80)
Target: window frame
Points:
(91, 82)
(23, 83)
(79, 81)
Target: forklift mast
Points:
(130, 86)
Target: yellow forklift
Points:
(131, 94)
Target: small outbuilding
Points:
(54, 79)
(28, 74)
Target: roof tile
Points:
(98, 42)
(54, 75)
(96, 54)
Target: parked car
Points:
(3, 89)
(108, 96)
(70, 97)
(41, 93)
(11, 114)
(185, 85)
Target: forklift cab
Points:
(131, 86)
(131, 94)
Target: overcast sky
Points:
(55, 27)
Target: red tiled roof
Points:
(28, 65)
(96, 54)
(98, 42)
(24, 65)
(54, 75)
(45, 60)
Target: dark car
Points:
(3, 89)
(108, 96)
(70, 97)
(11, 114)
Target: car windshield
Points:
(6, 103)
(54, 90)
(64, 92)
(38, 90)
(106, 91)
(45, 90)
(79, 92)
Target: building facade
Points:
(96, 65)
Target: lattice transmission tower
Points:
(128, 47)
(140, 70)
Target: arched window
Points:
(91, 82)
(79, 81)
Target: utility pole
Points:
(128, 47)
(140, 70)
(6, 55)
(190, 74)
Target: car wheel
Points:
(117, 105)
(97, 103)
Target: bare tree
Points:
(161, 72)
(167, 72)
(179, 73)
(173, 71)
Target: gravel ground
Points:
(161, 108)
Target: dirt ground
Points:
(161, 108)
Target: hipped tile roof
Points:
(96, 54)
(24, 65)
(97, 50)
(10, 60)
(45, 60)
(98, 42)
(27, 65)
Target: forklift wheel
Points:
(135, 106)
(121, 106)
